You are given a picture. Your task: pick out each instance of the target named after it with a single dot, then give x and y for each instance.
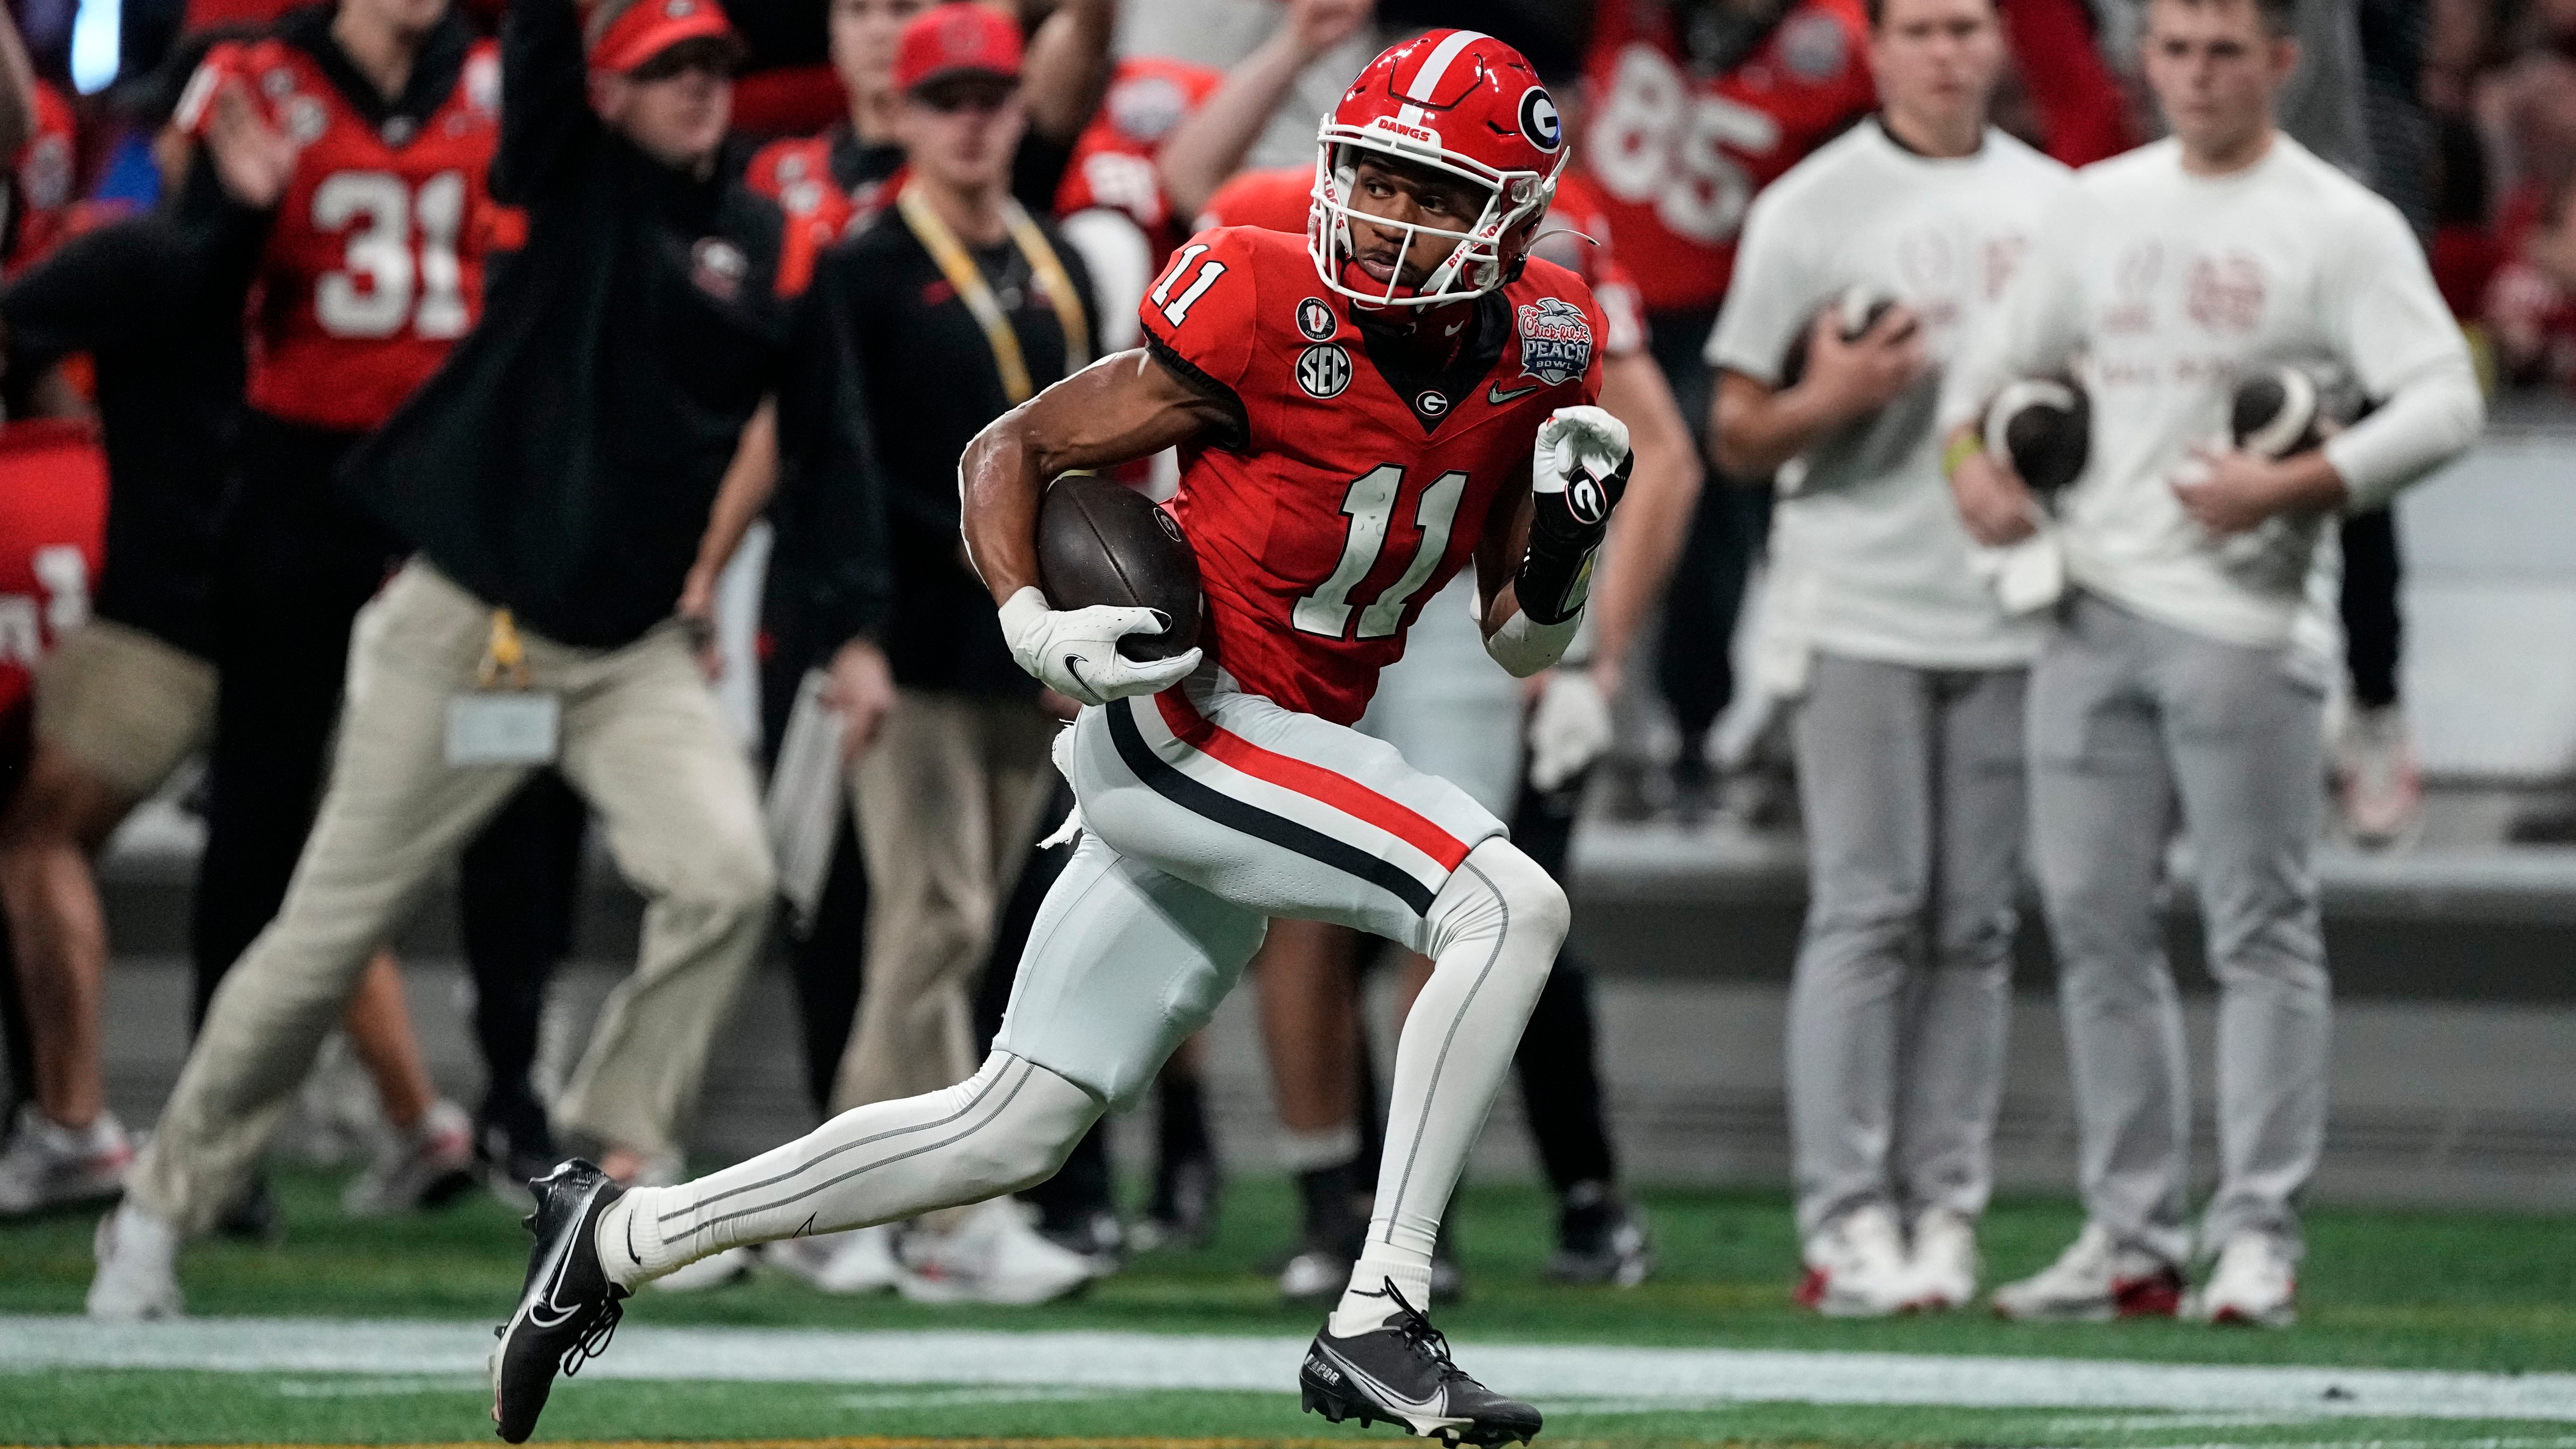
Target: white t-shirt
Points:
(1867, 552)
(2168, 284)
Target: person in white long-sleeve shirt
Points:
(1909, 736)
(2172, 675)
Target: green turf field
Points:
(2487, 1294)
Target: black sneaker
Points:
(1402, 1374)
(1600, 1239)
(569, 1310)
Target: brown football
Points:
(1102, 542)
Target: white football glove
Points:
(1568, 730)
(1588, 438)
(1075, 651)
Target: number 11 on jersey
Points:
(1370, 506)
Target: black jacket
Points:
(930, 385)
(563, 461)
(168, 349)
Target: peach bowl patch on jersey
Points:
(1556, 341)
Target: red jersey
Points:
(1113, 159)
(1679, 155)
(1357, 486)
(829, 186)
(53, 508)
(40, 182)
(373, 265)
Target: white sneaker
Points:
(1944, 1260)
(2095, 1279)
(730, 1266)
(2376, 782)
(423, 1168)
(1856, 1266)
(49, 1165)
(138, 1267)
(995, 1256)
(858, 1261)
(2255, 1282)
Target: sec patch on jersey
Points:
(1102, 542)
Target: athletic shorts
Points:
(1206, 812)
(125, 704)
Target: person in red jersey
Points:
(1309, 987)
(1691, 107)
(1361, 415)
(41, 182)
(340, 190)
(1113, 160)
(53, 506)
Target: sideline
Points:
(1268, 1365)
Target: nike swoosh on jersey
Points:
(1498, 397)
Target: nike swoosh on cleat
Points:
(1498, 397)
(1385, 1394)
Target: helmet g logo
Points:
(1539, 120)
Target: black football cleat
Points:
(569, 1309)
(1402, 1374)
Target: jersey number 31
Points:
(379, 287)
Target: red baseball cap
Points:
(960, 38)
(646, 28)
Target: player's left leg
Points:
(1123, 962)
(2245, 731)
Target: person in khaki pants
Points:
(556, 477)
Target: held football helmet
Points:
(1458, 102)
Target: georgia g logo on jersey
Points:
(1556, 341)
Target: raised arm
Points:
(18, 119)
(1210, 145)
(1067, 70)
(1117, 410)
(545, 101)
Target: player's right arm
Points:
(1199, 319)
(1119, 409)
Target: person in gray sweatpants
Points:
(2185, 669)
(1909, 739)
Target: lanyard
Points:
(505, 658)
(977, 294)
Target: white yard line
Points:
(1109, 1361)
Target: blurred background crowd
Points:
(1144, 118)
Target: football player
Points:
(1309, 995)
(1359, 415)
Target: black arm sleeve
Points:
(831, 486)
(95, 292)
(545, 107)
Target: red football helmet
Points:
(1455, 101)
